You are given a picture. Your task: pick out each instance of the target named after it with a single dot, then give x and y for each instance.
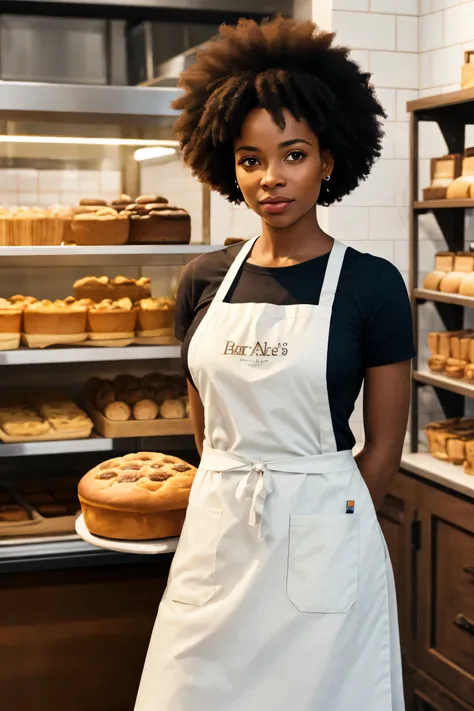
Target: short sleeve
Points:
(388, 328)
(185, 305)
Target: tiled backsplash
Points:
(31, 187)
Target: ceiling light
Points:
(152, 152)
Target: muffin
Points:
(112, 319)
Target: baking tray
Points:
(52, 436)
(39, 341)
(138, 428)
(152, 547)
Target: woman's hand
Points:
(386, 405)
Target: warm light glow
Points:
(85, 141)
(153, 152)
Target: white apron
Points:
(279, 597)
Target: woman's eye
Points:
(295, 156)
(250, 161)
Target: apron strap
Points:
(331, 277)
(233, 271)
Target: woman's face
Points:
(279, 171)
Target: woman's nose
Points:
(271, 179)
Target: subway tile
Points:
(401, 139)
(401, 182)
(394, 69)
(396, 7)
(387, 98)
(49, 198)
(362, 58)
(424, 175)
(431, 31)
(323, 18)
(111, 181)
(27, 181)
(388, 141)
(28, 199)
(458, 24)
(401, 255)
(431, 91)
(425, 7)
(424, 71)
(8, 198)
(8, 181)
(364, 30)
(70, 198)
(69, 181)
(407, 34)
(349, 223)
(49, 181)
(432, 143)
(448, 88)
(355, 5)
(446, 65)
(402, 97)
(388, 223)
(89, 183)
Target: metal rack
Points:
(452, 112)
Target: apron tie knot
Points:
(257, 484)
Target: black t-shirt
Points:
(371, 322)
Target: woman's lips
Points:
(275, 208)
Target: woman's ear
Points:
(327, 163)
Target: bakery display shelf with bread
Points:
(452, 354)
(62, 321)
(139, 496)
(155, 317)
(31, 226)
(93, 224)
(444, 171)
(453, 274)
(37, 416)
(152, 406)
(154, 221)
(16, 518)
(111, 320)
(52, 505)
(452, 441)
(120, 287)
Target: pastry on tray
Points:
(61, 317)
(12, 513)
(111, 320)
(155, 316)
(136, 497)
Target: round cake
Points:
(136, 497)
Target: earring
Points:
(327, 177)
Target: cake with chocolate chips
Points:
(136, 497)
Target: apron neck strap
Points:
(331, 277)
(233, 271)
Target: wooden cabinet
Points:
(430, 535)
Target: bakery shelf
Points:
(457, 299)
(444, 204)
(460, 102)
(453, 477)
(67, 446)
(36, 356)
(138, 255)
(442, 381)
(70, 553)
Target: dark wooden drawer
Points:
(425, 694)
(445, 600)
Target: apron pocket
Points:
(192, 574)
(323, 562)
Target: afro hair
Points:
(278, 64)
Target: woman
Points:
(281, 593)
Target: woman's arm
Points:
(196, 409)
(386, 404)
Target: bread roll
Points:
(466, 287)
(437, 363)
(454, 368)
(118, 411)
(145, 410)
(172, 409)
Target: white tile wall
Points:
(388, 99)
(458, 24)
(354, 5)
(364, 30)
(388, 223)
(397, 7)
(394, 69)
(407, 34)
(431, 31)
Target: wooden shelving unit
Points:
(452, 112)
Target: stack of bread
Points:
(137, 497)
(152, 220)
(452, 177)
(453, 273)
(31, 226)
(453, 441)
(129, 398)
(452, 354)
(120, 287)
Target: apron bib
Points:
(281, 593)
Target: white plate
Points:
(158, 545)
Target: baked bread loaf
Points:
(145, 410)
(118, 411)
(155, 316)
(102, 227)
(99, 288)
(136, 497)
(172, 409)
(437, 363)
(444, 263)
(55, 317)
(463, 187)
(443, 171)
(158, 223)
(466, 287)
(455, 368)
(463, 265)
(10, 317)
(112, 319)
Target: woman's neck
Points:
(303, 240)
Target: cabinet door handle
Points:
(464, 623)
(469, 569)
